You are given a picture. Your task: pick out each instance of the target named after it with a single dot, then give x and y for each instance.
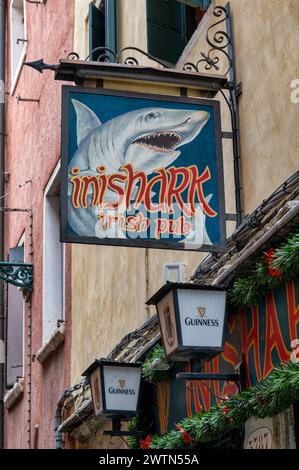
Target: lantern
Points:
(192, 320)
(115, 388)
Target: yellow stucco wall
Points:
(266, 40)
(81, 28)
(265, 35)
(109, 292)
(110, 285)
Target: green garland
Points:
(273, 395)
(276, 393)
(149, 374)
(248, 290)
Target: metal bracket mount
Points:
(17, 274)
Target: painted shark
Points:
(148, 138)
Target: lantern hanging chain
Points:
(16, 189)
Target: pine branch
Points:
(248, 290)
(273, 395)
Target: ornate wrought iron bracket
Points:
(18, 274)
(219, 42)
(222, 45)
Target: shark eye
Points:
(152, 115)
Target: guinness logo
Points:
(122, 383)
(201, 311)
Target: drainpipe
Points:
(2, 143)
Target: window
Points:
(174, 272)
(18, 39)
(53, 258)
(15, 324)
(170, 25)
(102, 27)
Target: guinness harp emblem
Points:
(201, 311)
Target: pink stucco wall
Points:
(32, 151)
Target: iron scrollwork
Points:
(108, 55)
(17, 274)
(73, 56)
(218, 42)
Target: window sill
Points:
(12, 397)
(50, 345)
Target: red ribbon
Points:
(270, 257)
(186, 437)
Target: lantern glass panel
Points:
(96, 391)
(121, 386)
(166, 312)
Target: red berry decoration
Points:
(145, 443)
(225, 410)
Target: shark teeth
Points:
(165, 141)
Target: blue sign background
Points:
(202, 151)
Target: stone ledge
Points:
(11, 397)
(51, 344)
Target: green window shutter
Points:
(111, 25)
(96, 30)
(166, 34)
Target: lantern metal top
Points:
(169, 286)
(103, 362)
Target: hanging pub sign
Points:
(141, 170)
